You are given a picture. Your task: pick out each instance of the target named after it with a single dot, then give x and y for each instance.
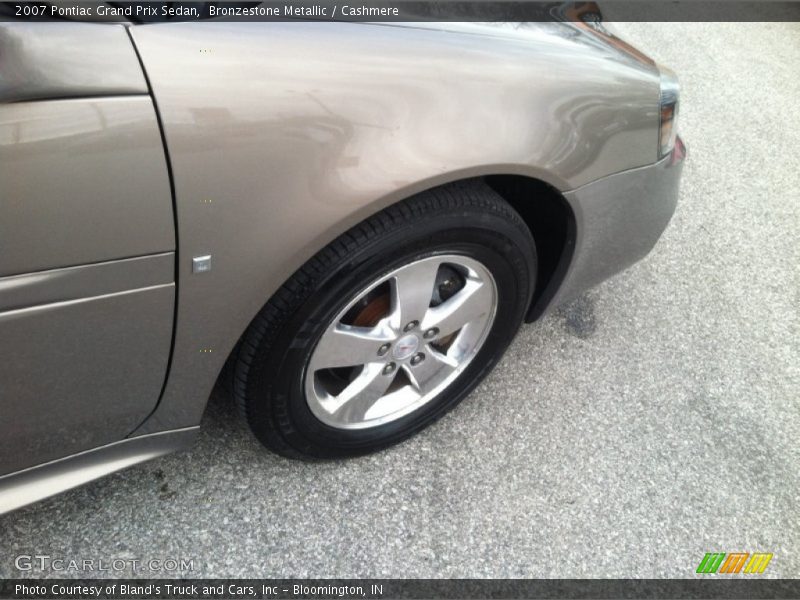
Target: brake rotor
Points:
(375, 310)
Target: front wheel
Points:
(388, 327)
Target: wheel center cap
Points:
(405, 346)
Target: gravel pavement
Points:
(655, 419)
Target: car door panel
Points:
(87, 245)
(83, 180)
(81, 373)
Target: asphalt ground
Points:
(654, 420)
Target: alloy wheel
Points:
(400, 341)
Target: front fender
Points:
(283, 135)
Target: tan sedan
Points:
(344, 222)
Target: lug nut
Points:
(384, 349)
(417, 358)
(431, 333)
(389, 368)
(411, 326)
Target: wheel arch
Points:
(543, 208)
(534, 194)
(552, 224)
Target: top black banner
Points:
(403, 11)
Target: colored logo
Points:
(734, 562)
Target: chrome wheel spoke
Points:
(353, 403)
(412, 290)
(474, 301)
(431, 372)
(348, 346)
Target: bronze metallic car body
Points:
(126, 152)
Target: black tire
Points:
(466, 218)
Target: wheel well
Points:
(552, 223)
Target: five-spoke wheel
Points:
(436, 314)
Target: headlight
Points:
(668, 128)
